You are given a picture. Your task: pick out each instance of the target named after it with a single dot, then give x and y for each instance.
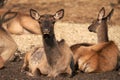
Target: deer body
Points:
(57, 56)
(21, 24)
(7, 44)
(100, 57)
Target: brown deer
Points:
(7, 44)
(100, 57)
(21, 24)
(56, 57)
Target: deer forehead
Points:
(47, 17)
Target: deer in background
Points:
(100, 57)
(21, 24)
(56, 57)
(7, 44)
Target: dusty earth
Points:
(73, 28)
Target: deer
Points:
(21, 24)
(55, 57)
(7, 44)
(100, 57)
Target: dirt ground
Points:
(77, 13)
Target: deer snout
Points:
(90, 29)
(46, 31)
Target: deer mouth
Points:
(46, 36)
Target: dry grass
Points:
(73, 27)
(77, 11)
(71, 32)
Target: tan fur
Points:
(101, 57)
(1, 62)
(7, 45)
(36, 62)
(21, 24)
(56, 57)
(41, 63)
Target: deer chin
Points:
(46, 36)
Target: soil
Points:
(12, 72)
(76, 12)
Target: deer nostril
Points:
(89, 29)
(46, 31)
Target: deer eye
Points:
(52, 20)
(99, 21)
(41, 19)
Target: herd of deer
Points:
(57, 57)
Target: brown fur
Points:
(21, 24)
(56, 56)
(36, 59)
(1, 62)
(102, 56)
(76, 46)
(66, 63)
(7, 44)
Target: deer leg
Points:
(1, 62)
(25, 64)
(8, 52)
(33, 71)
(53, 73)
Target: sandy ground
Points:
(73, 28)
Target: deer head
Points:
(47, 21)
(101, 22)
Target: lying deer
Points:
(56, 57)
(7, 44)
(21, 24)
(102, 56)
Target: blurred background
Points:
(79, 14)
(77, 11)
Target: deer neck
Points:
(51, 49)
(50, 42)
(102, 33)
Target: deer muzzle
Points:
(46, 31)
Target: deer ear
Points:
(34, 14)
(110, 14)
(59, 14)
(101, 13)
(8, 16)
